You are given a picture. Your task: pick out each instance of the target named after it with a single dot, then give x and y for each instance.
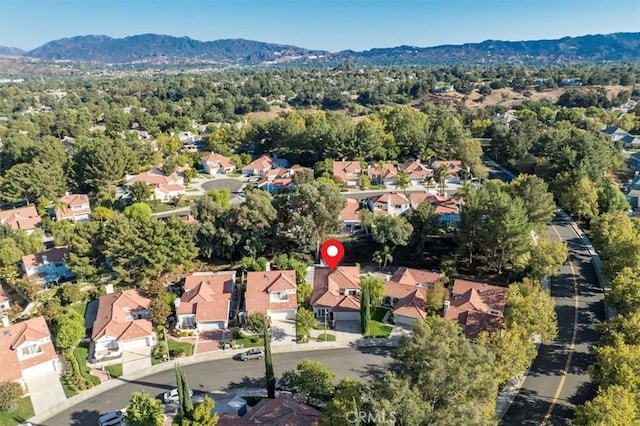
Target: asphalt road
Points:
(223, 375)
(558, 379)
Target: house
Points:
(26, 351)
(24, 219)
(417, 172)
(73, 207)
(168, 193)
(336, 294)
(415, 277)
(506, 118)
(634, 162)
(453, 168)
(476, 306)
(630, 141)
(348, 172)
(165, 188)
(262, 165)
(4, 300)
(206, 302)
(217, 164)
(283, 410)
(276, 180)
(406, 293)
(393, 204)
(633, 197)
(49, 266)
(614, 133)
(121, 323)
(387, 174)
(272, 293)
(187, 138)
(350, 216)
(447, 210)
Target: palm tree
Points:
(439, 174)
(382, 257)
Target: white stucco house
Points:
(48, 266)
(272, 293)
(206, 302)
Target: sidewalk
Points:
(205, 357)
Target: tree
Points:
(620, 327)
(347, 394)
(144, 411)
(304, 291)
(138, 211)
(424, 221)
(100, 162)
(436, 296)
(382, 257)
(140, 191)
(311, 379)
(611, 198)
(616, 238)
(375, 287)
(624, 295)
(256, 322)
(366, 219)
(305, 321)
(10, 394)
(546, 258)
(180, 389)
(268, 361)
(10, 253)
(613, 406)
(403, 180)
(618, 364)
(70, 329)
(102, 214)
(221, 196)
(470, 154)
(159, 310)
(391, 232)
(533, 308)
(537, 200)
(30, 181)
(203, 415)
(69, 294)
(580, 199)
(185, 408)
(401, 402)
(439, 175)
(365, 310)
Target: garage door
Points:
(134, 343)
(283, 315)
(347, 316)
(211, 326)
(38, 370)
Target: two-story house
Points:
(348, 172)
(206, 302)
(350, 216)
(260, 166)
(416, 171)
(453, 167)
(48, 266)
(74, 207)
(447, 210)
(406, 293)
(383, 174)
(26, 352)
(272, 293)
(336, 294)
(121, 324)
(393, 204)
(165, 188)
(217, 164)
(23, 219)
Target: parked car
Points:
(172, 395)
(256, 353)
(114, 418)
(283, 385)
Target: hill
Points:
(162, 49)
(10, 51)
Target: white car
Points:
(172, 395)
(114, 418)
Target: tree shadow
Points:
(277, 334)
(85, 417)
(247, 382)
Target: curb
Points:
(205, 357)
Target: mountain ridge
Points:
(159, 48)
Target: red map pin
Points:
(332, 252)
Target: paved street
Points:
(558, 379)
(221, 375)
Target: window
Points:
(279, 296)
(30, 350)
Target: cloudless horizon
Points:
(331, 25)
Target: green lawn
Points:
(81, 354)
(234, 175)
(22, 412)
(114, 370)
(376, 327)
(68, 392)
(326, 337)
(80, 307)
(186, 347)
(246, 342)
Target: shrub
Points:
(10, 394)
(70, 293)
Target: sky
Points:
(331, 25)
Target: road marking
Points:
(572, 346)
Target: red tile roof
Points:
(413, 304)
(208, 296)
(155, 177)
(388, 171)
(72, 200)
(328, 286)
(12, 337)
(217, 160)
(392, 198)
(351, 211)
(283, 410)
(453, 166)
(54, 255)
(416, 170)
(476, 306)
(263, 163)
(114, 310)
(24, 218)
(491, 295)
(347, 170)
(411, 276)
(261, 284)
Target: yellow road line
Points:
(572, 346)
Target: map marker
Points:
(332, 252)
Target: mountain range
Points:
(155, 49)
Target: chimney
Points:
(5, 321)
(447, 303)
(45, 261)
(267, 266)
(176, 302)
(66, 194)
(108, 288)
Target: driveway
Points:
(234, 185)
(283, 331)
(134, 360)
(209, 341)
(46, 392)
(348, 330)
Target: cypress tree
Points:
(179, 386)
(187, 403)
(268, 362)
(365, 310)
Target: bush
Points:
(70, 293)
(10, 394)
(72, 377)
(178, 353)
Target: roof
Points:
(387, 171)
(72, 200)
(155, 177)
(283, 410)
(453, 166)
(411, 276)
(54, 255)
(351, 211)
(262, 163)
(613, 130)
(12, 337)
(217, 160)
(328, 286)
(416, 170)
(346, 170)
(476, 306)
(491, 295)
(167, 189)
(413, 304)
(114, 310)
(392, 198)
(24, 218)
(261, 284)
(207, 295)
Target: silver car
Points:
(172, 395)
(256, 353)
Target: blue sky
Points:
(317, 24)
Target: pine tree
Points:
(365, 310)
(268, 362)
